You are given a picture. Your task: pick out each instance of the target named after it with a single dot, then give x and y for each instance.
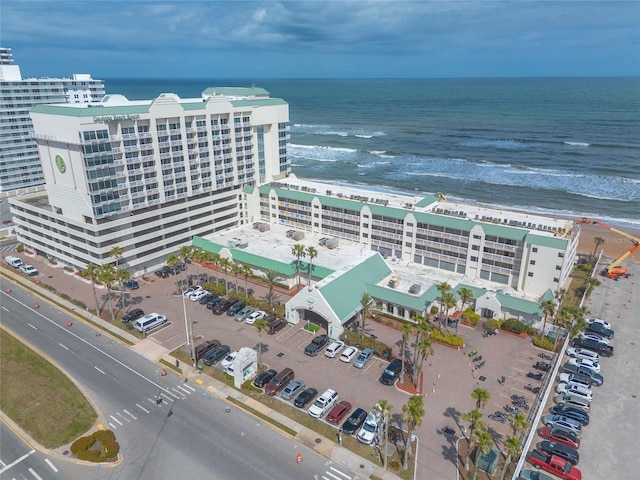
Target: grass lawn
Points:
(39, 397)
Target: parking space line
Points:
(53, 467)
(112, 425)
(142, 408)
(33, 472)
(123, 417)
(116, 420)
(130, 414)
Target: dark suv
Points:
(392, 372)
(354, 422)
(205, 347)
(220, 308)
(216, 354)
(600, 348)
(132, 315)
(316, 345)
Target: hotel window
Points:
(532, 262)
(534, 249)
(561, 255)
(558, 267)
(474, 259)
(556, 280)
(530, 274)
(161, 127)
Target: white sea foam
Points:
(577, 144)
(360, 165)
(364, 136)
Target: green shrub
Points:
(544, 342)
(514, 325)
(82, 444)
(20, 248)
(434, 310)
(52, 261)
(447, 338)
(67, 268)
(380, 349)
(492, 324)
(247, 385)
(471, 316)
(84, 447)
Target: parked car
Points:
(207, 298)
(363, 358)
(560, 436)
(29, 270)
(228, 361)
(348, 354)
(392, 372)
(570, 401)
(533, 475)
(214, 302)
(554, 464)
(251, 319)
(595, 337)
(571, 412)
(132, 315)
(216, 354)
(354, 422)
(276, 326)
(235, 308)
(280, 381)
(305, 397)
(571, 455)
(575, 390)
(369, 430)
(584, 362)
(598, 321)
(601, 330)
(244, 313)
(222, 307)
(564, 423)
(205, 347)
(264, 378)
(316, 345)
(338, 412)
(191, 290)
(194, 297)
(592, 378)
(323, 403)
(292, 389)
(131, 285)
(582, 353)
(601, 348)
(333, 349)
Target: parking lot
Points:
(450, 374)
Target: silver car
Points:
(292, 389)
(562, 422)
(363, 358)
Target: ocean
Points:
(557, 146)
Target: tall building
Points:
(148, 175)
(19, 162)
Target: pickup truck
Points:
(600, 348)
(595, 378)
(554, 464)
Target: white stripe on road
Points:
(32, 326)
(66, 348)
(100, 370)
(123, 417)
(189, 387)
(32, 472)
(169, 398)
(53, 467)
(17, 461)
(5, 309)
(348, 477)
(130, 414)
(181, 394)
(141, 408)
(116, 420)
(188, 392)
(112, 425)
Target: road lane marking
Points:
(184, 390)
(348, 477)
(180, 393)
(169, 398)
(112, 426)
(189, 387)
(116, 420)
(123, 417)
(35, 328)
(33, 472)
(129, 413)
(102, 372)
(17, 461)
(66, 348)
(6, 309)
(142, 408)
(53, 467)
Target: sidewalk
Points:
(155, 352)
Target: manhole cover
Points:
(361, 465)
(227, 410)
(318, 440)
(66, 452)
(281, 354)
(482, 378)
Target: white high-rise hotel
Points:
(148, 175)
(19, 162)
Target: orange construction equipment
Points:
(69, 323)
(299, 458)
(164, 372)
(614, 269)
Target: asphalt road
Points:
(190, 434)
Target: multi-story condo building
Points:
(148, 175)
(19, 162)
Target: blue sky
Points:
(331, 38)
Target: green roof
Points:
(545, 241)
(477, 292)
(85, 111)
(519, 305)
(413, 302)
(235, 91)
(344, 292)
(426, 201)
(503, 231)
(258, 102)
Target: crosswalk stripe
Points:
(188, 392)
(142, 408)
(130, 414)
(116, 420)
(348, 477)
(112, 425)
(189, 387)
(33, 472)
(181, 395)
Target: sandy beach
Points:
(614, 246)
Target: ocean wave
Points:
(359, 165)
(577, 144)
(505, 144)
(334, 130)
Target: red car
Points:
(338, 412)
(560, 436)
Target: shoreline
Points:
(614, 246)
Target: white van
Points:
(15, 262)
(149, 321)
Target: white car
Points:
(191, 290)
(584, 362)
(251, 319)
(595, 337)
(575, 390)
(349, 354)
(583, 353)
(598, 321)
(369, 430)
(195, 296)
(333, 349)
(28, 269)
(227, 363)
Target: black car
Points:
(214, 302)
(354, 422)
(235, 308)
(305, 397)
(601, 330)
(570, 412)
(131, 284)
(316, 345)
(392, 372)
(132, 315)
(205, 348)
(571, 455)
(207, 298)
(216, 354)
(161, 273)
(264, 378)
(600, 348)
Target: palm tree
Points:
(598, 241)
(475, 423)
(406, 330)
(246, 272)
(443, 288)
(465, 295)
(311, 253)
(261, 326)
(206, 257)
(235, 270)
(384, 408)
(299, 252)
(449, 302)
(424, 349)
(271, 277)
(413, 413)
(514, 448)
(197, 256)
(185, 254)
(172, 261)
(107, 276)
(92, 272)
(483, 441)
(366, 302)
(481, 396)
(116, 252)
(225, 264)
(121, 276)
(548, 307)
(518, 422)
